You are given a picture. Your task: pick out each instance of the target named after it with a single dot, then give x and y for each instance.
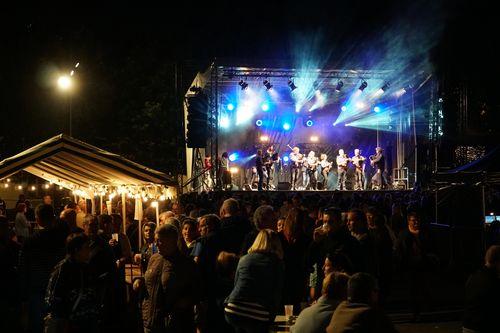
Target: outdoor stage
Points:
(316, 110)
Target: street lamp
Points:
(64, 82)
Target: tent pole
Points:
(124, 213)
(100, 201)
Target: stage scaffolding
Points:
(219, 76)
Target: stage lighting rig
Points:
(267, 84)
(243, 84)
(292, 85)
(340, 84)
(363, 86)
(385, 86)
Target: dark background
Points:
(136, 64)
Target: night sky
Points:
(126, 91)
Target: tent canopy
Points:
(73, 164)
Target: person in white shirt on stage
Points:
(325, 169)
(342, 162)
(296, 163)
(359, 170)
(312, 163)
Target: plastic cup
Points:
(288, 312)
(115, 237)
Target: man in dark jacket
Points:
(233, 226)
(482, 295)
(38, 257)
(360, 313)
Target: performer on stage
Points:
(312, 163)
(207, 176)
(224, 174)
(259, 164)
(359, 170)
(378, 161)
(342, 162)
(269, 165)
(325, 169)
(295, 165)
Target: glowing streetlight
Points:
(64, 82)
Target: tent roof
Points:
(63, 159)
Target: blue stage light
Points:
(230, 106)
(376, 109)
(343, 108)
(309, 123)
(264, 107)
(258, 122)
(224, 122)
(233, 157)
(286, 126)
(285, 159)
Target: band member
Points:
(342, 161)
(312, 163)
(359, 170)
(325, 169)
(259, 164)
(269, 165)
(378, 161)
(295, 165)
(225, 175)
(207, 176)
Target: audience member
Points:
(21, 223)
(263, 218)
(148, 246)
(359, 313)
(233, 226)
(316, 318)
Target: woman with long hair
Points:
(256, 296)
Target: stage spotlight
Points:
(340, 84)
(286, 126)
(309, 122)
(286, 159)
(265, 107)
(343, 108)
(363, 86)
(376, 109)
(233, 157)
(292, 85)
(264, 138)
(258, 122)
(233, 170)
(243, 84)
(385, 86)
(267, 84)
(360, 105)
(224, 122)
(314, 138)
(230, 106)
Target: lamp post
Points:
(65, 84)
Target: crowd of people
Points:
(222, 263)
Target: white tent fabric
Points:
(75, 164)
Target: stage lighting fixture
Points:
(267, 84)
(195, 89)
(363, 86)
(233, 157)
(286, 159)
(376, 109)
(264, 138)
(243, 84)
(230, 106)
(258, 122)
(265, 107)
(309, 122)
(343, 108)
(224, 122)
(233, 170)
(385, 86)
(286, 126)
(314, 138)
(292, 85)
(340, 84)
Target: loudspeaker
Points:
(284, 186)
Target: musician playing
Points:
(342, 162)
(208, 170)
(378, 161)
(296, 164)
(225, 175)
(269, 165)
(312, 163)
(259, 165)
(325, 169)
(359, 170)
